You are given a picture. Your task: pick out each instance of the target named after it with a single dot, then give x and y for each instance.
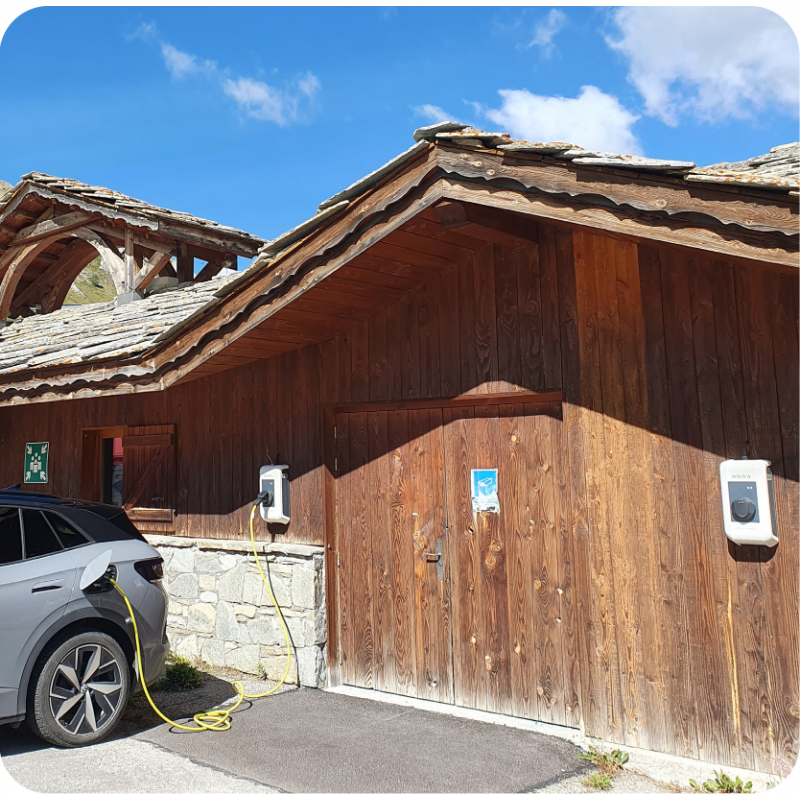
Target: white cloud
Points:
(309, 84)
(712, 62)
(147, 31)
(433, 113)
(545, 31)
(593, 119)
(181, 64)
(261, 101)
(257, 99)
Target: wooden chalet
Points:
(602, 330)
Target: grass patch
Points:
(180, 675)
(722, 784)
(93, 285)
(597, 780)
(608, 763)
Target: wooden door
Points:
(489, 623)
(393, 586)
(514, 647)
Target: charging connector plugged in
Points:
(218, 719)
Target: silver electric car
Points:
(67, 654)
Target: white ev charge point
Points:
(274, 480)
(748, 501)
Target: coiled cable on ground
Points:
(218, 719)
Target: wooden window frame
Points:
(147, 520)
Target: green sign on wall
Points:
(36, 454)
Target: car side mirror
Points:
(95, 570)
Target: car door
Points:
(36, 581)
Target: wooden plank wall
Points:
(668, 359)
(691, 644)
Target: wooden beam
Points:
(725, 240)
(146, 240)
(207, 238)
(451, 215)
(130, 264)
(26, 214)
(62, 224)
(207, 253)
(204, 251)
(109, 253)
(149, 271)
(213, 268)
(138, 257)
(389, 194)
(662, 194)
(74, 257)
(486, 224)
(16, 261)
(185, 264)
(549, 397)
(54, 299)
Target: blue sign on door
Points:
(484, 491)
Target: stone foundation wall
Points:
(220, 610)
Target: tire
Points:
(79, 690)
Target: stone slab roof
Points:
(116, 201)
(779, 169)
(77, 334)
(88, 333)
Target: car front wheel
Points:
(79, 691)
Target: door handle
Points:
(47, 586)
(436, 558)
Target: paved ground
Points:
(124, 763)
(313, 741)
(298, 741)
(121, 765)
(625, 782)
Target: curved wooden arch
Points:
(55, 298)
(18, 260)
(40, 287)
(109, 253)
(57, 286)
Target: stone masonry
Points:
(220, 611)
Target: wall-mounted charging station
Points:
(748, 501)
(273, 483)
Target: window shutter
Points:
(148, 476)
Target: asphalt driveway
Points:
(314, 741)
(297, 741)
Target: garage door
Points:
(439, 599)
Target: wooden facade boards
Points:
(605, 592)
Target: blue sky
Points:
(252, 116)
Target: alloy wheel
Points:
(86, 689)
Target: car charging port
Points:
(103, 584)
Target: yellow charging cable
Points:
(218, 720)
